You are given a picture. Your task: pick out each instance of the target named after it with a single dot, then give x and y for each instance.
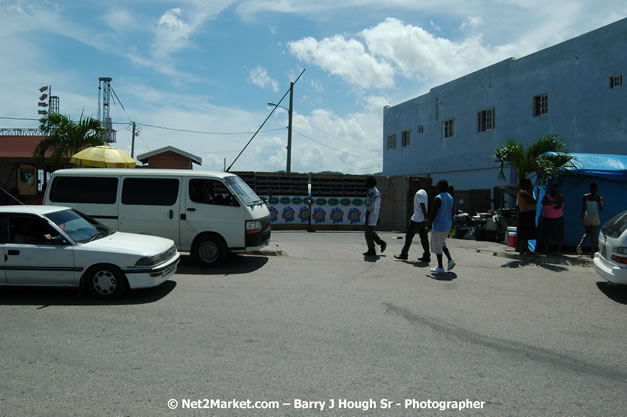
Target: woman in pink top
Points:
(553, 218)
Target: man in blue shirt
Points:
(441, 219)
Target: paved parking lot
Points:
(309, 320)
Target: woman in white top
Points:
(592, 205)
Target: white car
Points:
(611, 259)
(58, 246)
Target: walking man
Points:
(373, 206)
(418, 223)
(441, 219)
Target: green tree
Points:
(67, 137)
(544, 158)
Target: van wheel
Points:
(105, 281)
(210, 250)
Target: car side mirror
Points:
(59, 240)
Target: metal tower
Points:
(104, 87)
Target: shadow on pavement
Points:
(616, 293)
(46, 296)
(542, 263)
(235, 264)
(445, 276)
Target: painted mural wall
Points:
(326, 210)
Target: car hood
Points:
(130, 243)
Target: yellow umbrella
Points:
(103, 157)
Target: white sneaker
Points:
(451, 264)
(437, 270)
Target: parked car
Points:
(206, 213)
(61, 247)
(611, 259)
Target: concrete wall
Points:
(582, 109)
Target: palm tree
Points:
(544, 158)
(67, 137)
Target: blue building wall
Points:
(582, 108)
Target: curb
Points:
(542, 259)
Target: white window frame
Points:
(540, 104)
(486, 120)
(448, 128)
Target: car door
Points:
(32, 255)
(4, 238)
(211, 207)
(150, 206)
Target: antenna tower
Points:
(104, 88)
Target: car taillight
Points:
(620, 256)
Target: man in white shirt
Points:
(418, 223)
(373, 206)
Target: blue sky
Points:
(211, 66)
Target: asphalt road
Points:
(321, 323)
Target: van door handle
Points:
(14, 252)
(171, 214)
(191, 209)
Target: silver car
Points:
(611, 259)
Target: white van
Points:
(206, 213)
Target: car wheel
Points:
(210, 250)
(105, 281)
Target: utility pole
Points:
(288, 168)
(133, 141)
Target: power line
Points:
(203, 132)
(334, 138)
(336, 150)
(17, 118)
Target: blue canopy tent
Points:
(608, 171)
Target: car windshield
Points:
(616, 225)
(79, 227)
(243, 191)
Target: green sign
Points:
(358, 202)
(273, 200)
(297, 200)
(333, 201)
(345, 201)
(286, 200)
(321, 201)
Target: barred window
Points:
(392, 141)
(616, 81)
(540, 105)
(448, 128)
(405, 138)
(486, 120)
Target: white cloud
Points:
(259, 77)
(121, 20)
(471, 23)
(375, 56)
(346, 58)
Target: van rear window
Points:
(91, 190)
(150, 191)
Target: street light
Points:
(288, 167)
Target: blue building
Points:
(574, 89)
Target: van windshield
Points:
(243, 191)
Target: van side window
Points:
(210, 192)
(150, 191)
(93, 190)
